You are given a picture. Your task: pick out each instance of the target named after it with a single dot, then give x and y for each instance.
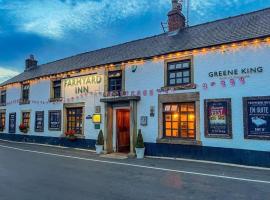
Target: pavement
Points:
(34, 172)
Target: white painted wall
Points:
(151, 76)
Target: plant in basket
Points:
(23, 128)
(71, 135)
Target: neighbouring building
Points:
(195, 92)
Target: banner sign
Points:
(12, 123)
(257, 117)
(39, 123)
(218, 118)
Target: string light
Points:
(233, 46)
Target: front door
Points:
(75, 119)
(122, 128)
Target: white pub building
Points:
(198, 92)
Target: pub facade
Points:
(197, 92)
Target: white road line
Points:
(152, 157)
(140, 166)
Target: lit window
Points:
(179, 120)
(179, 73)
(26, 119)
(2, 121)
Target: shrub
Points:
(100, 139)
(139, 142)
(71, 135)
(23, 128)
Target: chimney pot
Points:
(176, 19)
(30, 63)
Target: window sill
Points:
(23, 102)
(188, 86)
(56, 99)
(178, 141)
(2, 104)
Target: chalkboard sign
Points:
(12, 123)
(55, 120)
(218, 118)
(257, 117)
(39, 123)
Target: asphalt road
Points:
(31, 172)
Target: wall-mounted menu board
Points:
(55, 120)
(39, 122)
(12, 123)
(217, 118)
(256, 117)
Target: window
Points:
(179, 120)
(56, 89)
(2, 121)
(25, 93)
(3, 97)
(39, 122)
(26, 119)
(75, 119)
(55, 120)
(115, 81)
(179, 73)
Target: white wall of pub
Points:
(151, 76)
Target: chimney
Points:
(30, 63)
(176, 19)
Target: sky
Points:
(55, 29)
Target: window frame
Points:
(179, 129)
(3, 119)
(69, 125)
(119, 78)
(23, 90)
(3, 103)
(56, 84)
(27, 119)
(182, 70)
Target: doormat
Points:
(119, 156)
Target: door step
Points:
(119, 156)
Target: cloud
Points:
(54, 18)
(6, 74)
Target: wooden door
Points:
(122, 128)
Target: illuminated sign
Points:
(96, 118)
(82, 85)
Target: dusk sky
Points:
(54, 29)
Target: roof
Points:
(243, 27)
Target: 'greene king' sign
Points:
(81, 85)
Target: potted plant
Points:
(100, 142)
(139, 148)
(23, 128)
(70, 134)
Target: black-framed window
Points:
(25, 92)
(56, 89)
(179, 72)
(2, 121)
(26, 119)
(3, 97)
(39, 121)
(75, 119)
(12, 123)
(179, 120)
(55, 120)
(115, 81)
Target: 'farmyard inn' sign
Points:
(82, 85)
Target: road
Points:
(33, 172)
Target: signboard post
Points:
(257, 117)
(218, 122)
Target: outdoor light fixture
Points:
(96, 118)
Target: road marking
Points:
(139, 166)
(152, 157)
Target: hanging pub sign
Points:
(55, 120)
(218, 118)
(257, 117)
(12, 123)
(39, 123)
